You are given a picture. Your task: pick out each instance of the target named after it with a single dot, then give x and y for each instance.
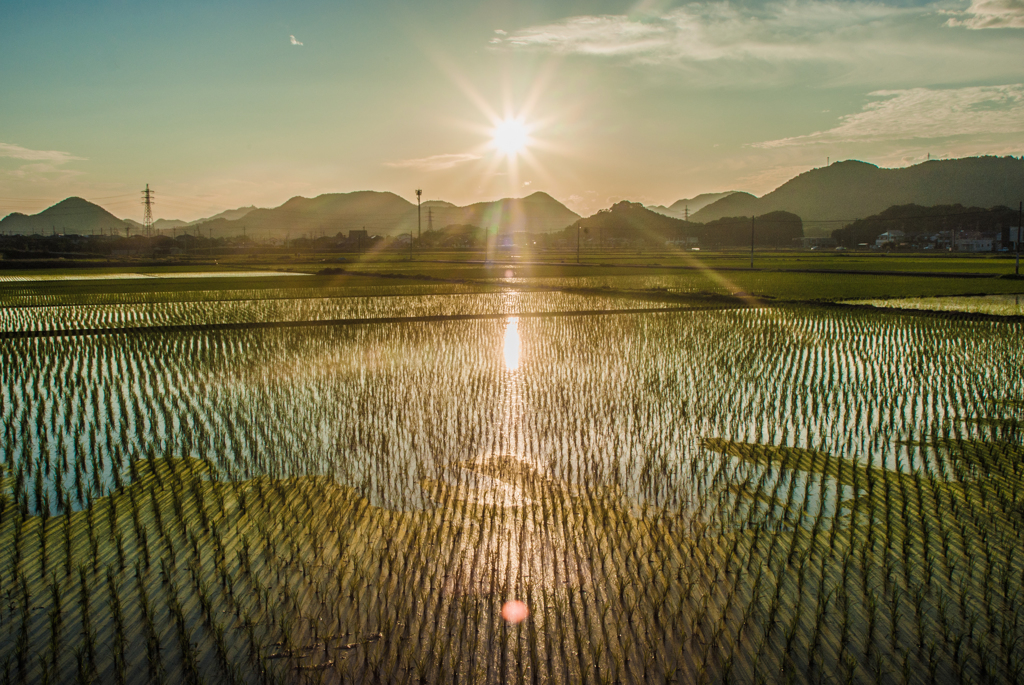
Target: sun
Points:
(510, 137)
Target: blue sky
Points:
(219, 105)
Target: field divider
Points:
(930, 313)
(252, 325)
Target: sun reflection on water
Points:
(512, 342)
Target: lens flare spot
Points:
(515, 611)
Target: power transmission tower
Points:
(686, 213)
(147, 215)
(419, 193)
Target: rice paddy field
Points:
(58, 318)
(571, 488)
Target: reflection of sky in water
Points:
(511, 346)
(617, 402)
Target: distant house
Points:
(890, 238)
(975, 242)
(811, 242)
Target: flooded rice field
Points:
(749, 495)
(262, 310)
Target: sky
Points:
(225, 104)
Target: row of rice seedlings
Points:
(199, 313)
(13, 297)
(640, 575)
(706, 626)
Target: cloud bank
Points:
(793, 30)
(992, 14)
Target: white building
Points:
(975, 242)
(889, 237)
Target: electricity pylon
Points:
(147, 215)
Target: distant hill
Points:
(629, 222)
(73, 215)
(679, 208)
(917, 220)
(325, 214)
(633, 223)
(438, 204)
(168, 224)
(774, 229)
(536, 213)
(388, 214)
(229, 214)
(852, 189)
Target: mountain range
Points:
(164, 225)
(687, 207)
(825, 199)
(78, 216)
(385, 213)
(380, 213)
(845, 191)
(630, 223)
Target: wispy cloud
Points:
(294, 42)
(43, 166)
(51, 156)
(991, 14)
(923, 113)
(791, 30)
(434, 163)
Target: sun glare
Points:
(510, 137)
(512, 343)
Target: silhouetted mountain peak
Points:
(70, 215)
(852, 188)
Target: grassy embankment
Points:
(777, 276)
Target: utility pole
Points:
(430, 219)
(1020, 224)
(578, 226)
(751, 242)
(147, 214)
(419, 193)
